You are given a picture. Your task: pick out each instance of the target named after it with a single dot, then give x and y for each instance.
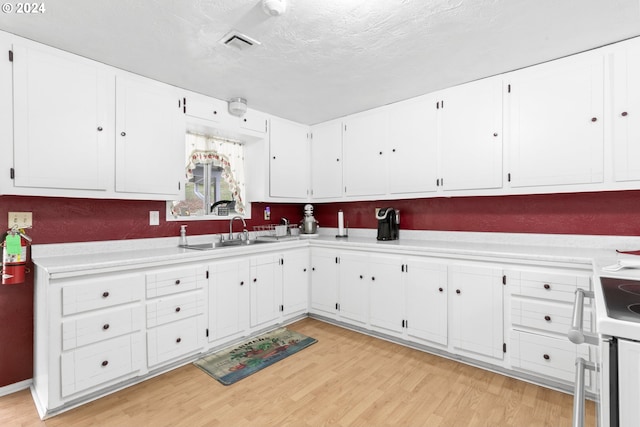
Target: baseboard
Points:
(12, 388)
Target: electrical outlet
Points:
(20, 219)
(154, 218)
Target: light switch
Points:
(20, 219)
(154, 218)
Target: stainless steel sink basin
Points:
(224, 244)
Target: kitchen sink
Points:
(224, 244)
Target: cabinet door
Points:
(354, 285)
(555, 118)
(470, 135)
(62, 131)
(625, 72)
(413, 146)
(426, 301)
(228, 299)
(288, 159)
(629, 390)
(266, 289)
(365, 168)
(386, 293)
(324, 281)
(326, 160)
(295, 282)
(149, 138)
(206, 108)
(254, 121)
(476, 310)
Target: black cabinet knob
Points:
(179, 340)
(440, 289)
(547, 318)
(547, 286)
(458, 291)
(105, 326)
(546, 356)
(105, 294)
(624, 114)
(105, 363)
(99, 128)
(177, 281)
(123, 134)
(177, 309)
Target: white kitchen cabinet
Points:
(149, 138)
(384, 279)
(266, 289)
(413, 145)
(255, 122)
(295, 283)
(555, 117)
(213, 111)
(63, 130)
(175, 309)
(326, 160)
(288, 159)
(470, 135)
(364, 150)
(229, 299)
(324, 282)
(476, 310)
(628, 390)
(624, 63)
(426, 301)
(353, 300)
(539, 309)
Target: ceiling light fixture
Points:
(274, 7)
(237, 106)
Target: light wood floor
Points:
(345, 379)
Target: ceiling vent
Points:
(239, 41)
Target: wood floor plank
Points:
(345, 379)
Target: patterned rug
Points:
(238, 362)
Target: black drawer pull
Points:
(179, 340)
(547, 318)
(242, 283)
(458, 291)
(177, 309)
(105, 326)
(440, 289)
(177, 281)
(105, 363)
(547, 286)
(546, 356)
(105, 294)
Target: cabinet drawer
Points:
(92, 294)
(552, 286)
(100, 363)
(175, 339)
(175, 280)
(106, 324)
(545, 315)
(543, 355)
(172, 308)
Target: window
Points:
(215, 185)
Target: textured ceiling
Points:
(325, 59)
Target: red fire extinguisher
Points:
(16, 250)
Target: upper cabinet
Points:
(149, 137)
(326, 160)
(62, 129)
(413, 145)
(556, 120)
(470, 133)
(624, 63)
(288, 159)
(365, 153)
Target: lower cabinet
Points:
(228, 299)
(476, 309)
(540, 309)
(324, 282)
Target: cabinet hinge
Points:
(402, 268)
(179, 185)
(337, 260)
(207, 275)
(442, 104)
(337, 307)
(345, 128)
(504, 347)
(207, 334)
(12, 173)
(438, 105)
(509, 88)
(281, 261)
(184, 105)
(509, 177)
(403, 323)
(406, 323)
(281, 307)
(10, 56)
(504, 279)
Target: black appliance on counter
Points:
(388, 223)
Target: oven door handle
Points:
(576, 334)
(578, 392)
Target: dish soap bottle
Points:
(183, 236)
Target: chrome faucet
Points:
(244, 225)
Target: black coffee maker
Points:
(388, 223)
